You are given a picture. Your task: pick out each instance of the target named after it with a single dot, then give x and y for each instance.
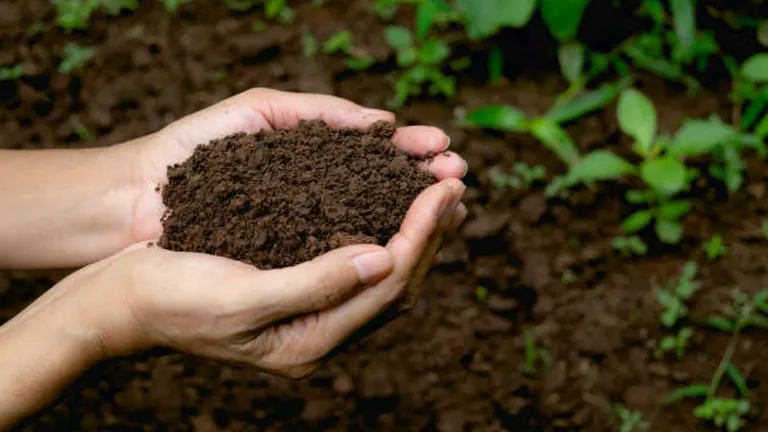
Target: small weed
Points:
(676, 343)
(75, 14)
(715, 248)
(75, 57)
(309, 45)
(279, 11)
(82, 132)
(343, 42)
(629, 246)
(481, 294)
(568, 277)
(523, 176)
(673, 297)
(534, 356)
(631, 421)
(11, 73)
(743, 312)
(764, 228)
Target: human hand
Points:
(262, 109)
(282, 321)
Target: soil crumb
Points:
(277, 199)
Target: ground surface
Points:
(452, 364)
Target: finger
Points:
(286, 110)
(458, 217)
(421, 140)
(447, 165)
(321, 283)
(265, 109)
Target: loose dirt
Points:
(276, 199)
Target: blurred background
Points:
(609, 276)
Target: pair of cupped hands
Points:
(285, 321)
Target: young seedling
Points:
(82, 132)
(533, 356)
(631, 421)
(11, 73)
(715, 248)
(309, 45)
(676, 343)
(343, 42)
(75, 57)
(522, 177)
(750, 93)
(728, 413)
(673, 297)
(74, 14)
(629, 246)
(278, 10)
(481, 294)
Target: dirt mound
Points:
(276, 199)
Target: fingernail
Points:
(447, 143)
(466, 169)
(373, 266)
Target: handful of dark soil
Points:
(276, 199)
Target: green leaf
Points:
(398, 37)
(495, 64)
(698, 137)
(563, 17)
(755, 68)
(407, 57)
(599, 165)
(427, 14)
(638, 196)
(666, 175)
(556, 139)
(684, 15)
(674, 209)
(761, 130)
(637, 118)
(669, 231)
(738, 380)
(721, 323)
(571, 57)
(586, 103)
(434, 52)
(360, 63)
(485, 17)
(693, 391)
(637, 221)
(339, 42)
(498, 117)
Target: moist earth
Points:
(277, 199)
(452, 364)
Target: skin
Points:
(98, 208)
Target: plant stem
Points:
(718, 376)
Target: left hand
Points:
(262, 109)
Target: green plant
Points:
(522, 177)
(74, 57)
(75, 14)
(309, 45)
(715, 248)
(82, 132)
(750, 92)
(677, 343)
(673, 297)
(343, 42)
(629, 246)
(533, 355)
(422, 58)
(481, 294)
(631, 421)
(728, 413)
(11, 73)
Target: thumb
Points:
(326, 281)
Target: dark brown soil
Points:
(277, 199)
(452, 363)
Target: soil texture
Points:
(277, 199)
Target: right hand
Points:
(281, 321)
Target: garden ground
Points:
(454, 362)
